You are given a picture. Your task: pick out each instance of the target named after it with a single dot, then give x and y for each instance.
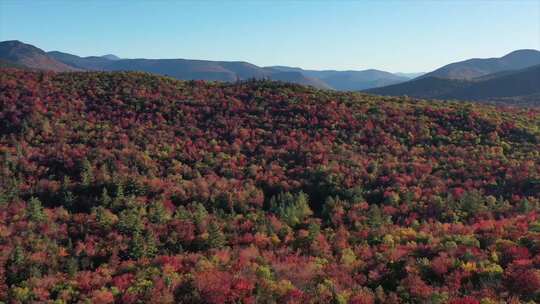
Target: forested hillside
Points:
(478, 67)
(133, 188)
(15, 53)
(521, 87)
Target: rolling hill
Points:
(84, 63)
(350, 80)
(17, 53)
(506, 79)
(521, 83)
(186, 69)
(474, 68)
(424, 87)
(511, 87)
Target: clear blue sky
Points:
(397, 36)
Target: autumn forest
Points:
(127, 187)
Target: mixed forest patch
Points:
(132, 188)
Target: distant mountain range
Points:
(474, 68)
(18, 53)
(185, 69)
(511, 79)
(350, 80)
(15, 52)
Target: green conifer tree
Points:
(216, 238)
(35, 210)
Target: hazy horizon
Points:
(393, 36)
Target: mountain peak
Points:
(20, 53)
(12, 42)
(111, 57)
(478, 67)
(523, 52)
(16, 48)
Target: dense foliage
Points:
(131, 188)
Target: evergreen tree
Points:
(72, 266)
(199, 213)
(87, 173)
(16, 261)
(291, 208)
(314, 229)
(157, 213)
(142, 245)
(216, 238)
(67, 196)
(376, 217)
(131, 220)
(104, 217)
(35, 210)
(119, 197)
(105, 199)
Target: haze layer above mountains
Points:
(513, 78)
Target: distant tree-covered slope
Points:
(85, 63)
(17, 53)
(428, 87)
(350, 80)
(124, 187)
(10, 64)
(477, 67)
(518, 83)
(187, 69)
(510, 87)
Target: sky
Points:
(396, 36)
